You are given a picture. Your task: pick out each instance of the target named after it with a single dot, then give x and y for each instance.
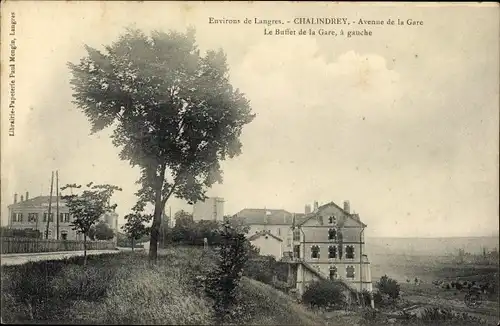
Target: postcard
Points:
(249, 163)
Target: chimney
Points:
(315, 206)
(27, 195)
(347, 207)
(15, 198)
(21, 197)
(307, 209)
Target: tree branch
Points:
(172, 189)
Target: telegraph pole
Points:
(57, 202)
(50, 205)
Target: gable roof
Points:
(260, 216)
(355, 217)
(38, 201)
(263, 233)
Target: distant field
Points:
(428, 269)
(433, 259)
(429, 246)
(426, 258)
(429, 264)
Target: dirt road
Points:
(19, 259)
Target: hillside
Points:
(121, 289)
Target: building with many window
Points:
(329, 243)
(326, 242)
(33, 213)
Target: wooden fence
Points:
(12, 245)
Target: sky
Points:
(403, 123)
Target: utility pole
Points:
(50, 205)
(57, 202)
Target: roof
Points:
(37, 202)
(314, 214)
(263, 233)
(252, 216)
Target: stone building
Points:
(330, 244)
(33, 213)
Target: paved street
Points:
(18, 259)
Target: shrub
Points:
(222, 282)
(323, 294)
(264, 268)
(388, 286)
(436, 315)
(371, 316)
(366, 297)
(378, 298)
(259, 271)
(20, 233)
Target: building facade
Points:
(268, 244)
(33, 213)
(210, 209)
(325, 242)
(331, 242)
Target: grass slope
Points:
(123, 289)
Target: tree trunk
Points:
(155, 227)
(84, 249)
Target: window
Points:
(49, 234)
(349, 272)
(51, 217)
(32, 217)
(332, 220)
(64, 217)
(296, 235)
(332, 252)
(332, 234)
(64, 235)
(349, 252)
(17, 217)
(315, 251)
(333, 272)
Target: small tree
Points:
(103, 231)
(135, 228)
(388, 286)
(87, 207)
(223, 281)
